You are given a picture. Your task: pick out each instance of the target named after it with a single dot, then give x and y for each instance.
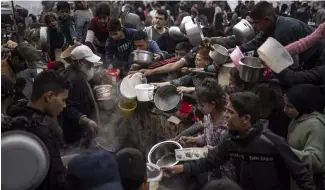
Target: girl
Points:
(188, 83)
(212, 101)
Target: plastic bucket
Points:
(127, 107)
(274, 55)
(154, 176)
(103, 92)
(144, 92)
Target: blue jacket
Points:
(120, 49)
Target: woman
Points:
(306, 132)
(188, 83)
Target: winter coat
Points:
(80, 102)
(55, 178)
(262, 159)
(306, 137)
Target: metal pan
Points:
(25, 160)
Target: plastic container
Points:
(274, 55)
(127, 87)
(184, 111)
(235, 56)
(144, 92)
(154, 176)
(127, 107)
(113, 75)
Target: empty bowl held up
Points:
(250, 69)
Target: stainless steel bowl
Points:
(250, 69)
(185, 20)
(243, 31)
(142, 57)
(219, 54)
(163, 153)
(194, 33)
(167, 98)
(175, 33)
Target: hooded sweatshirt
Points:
(306, 133)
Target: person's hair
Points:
(235, 77)
(103, 9)
(162, 12)
(222, 184)
(50, 16)
(183, 6)
(246, 103)
(211, 91)
(132, 168)
(204, 53)
(63, 5)
(284, 7)
(48, 81)
(186, 46)
(140, 35)
(261, 10)
(114, 25)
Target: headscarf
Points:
(306, 98)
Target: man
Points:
(253, 148)
(119, 44)
(285, 30)
(50, 91)
(142, 42)
(22, 57)
(81, 115)
(154, 32)
(59, 35)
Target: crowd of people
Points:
(266, 135)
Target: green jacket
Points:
(306, 137)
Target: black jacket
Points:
(263, 161)
(314, 76)
(79, 103)
(287, 30)
(55, 179)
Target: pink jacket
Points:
(305, 43)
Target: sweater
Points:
(307, 42)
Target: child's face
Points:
(206, 108)
(200, 62)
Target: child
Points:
(212, 101)
(188, 83)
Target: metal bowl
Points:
(176, 34)
(185, 20)
(243, 31)
(142, 57)
(167, 98)
(194, 33)
(250, 69)
(219, 54)
(163, 153)
(25, 160)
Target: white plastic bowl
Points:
(155, 175)
(274, 55)
(144, 92)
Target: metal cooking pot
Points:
(250, 69)
(163, 153)
(43, 35)
(167, 98)
(176, 34)
(194, 33)
(219, 54)
(24, 159)
(103, 92)
(243, 31)
(142, 57)
(131, 20)
(184, 21)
